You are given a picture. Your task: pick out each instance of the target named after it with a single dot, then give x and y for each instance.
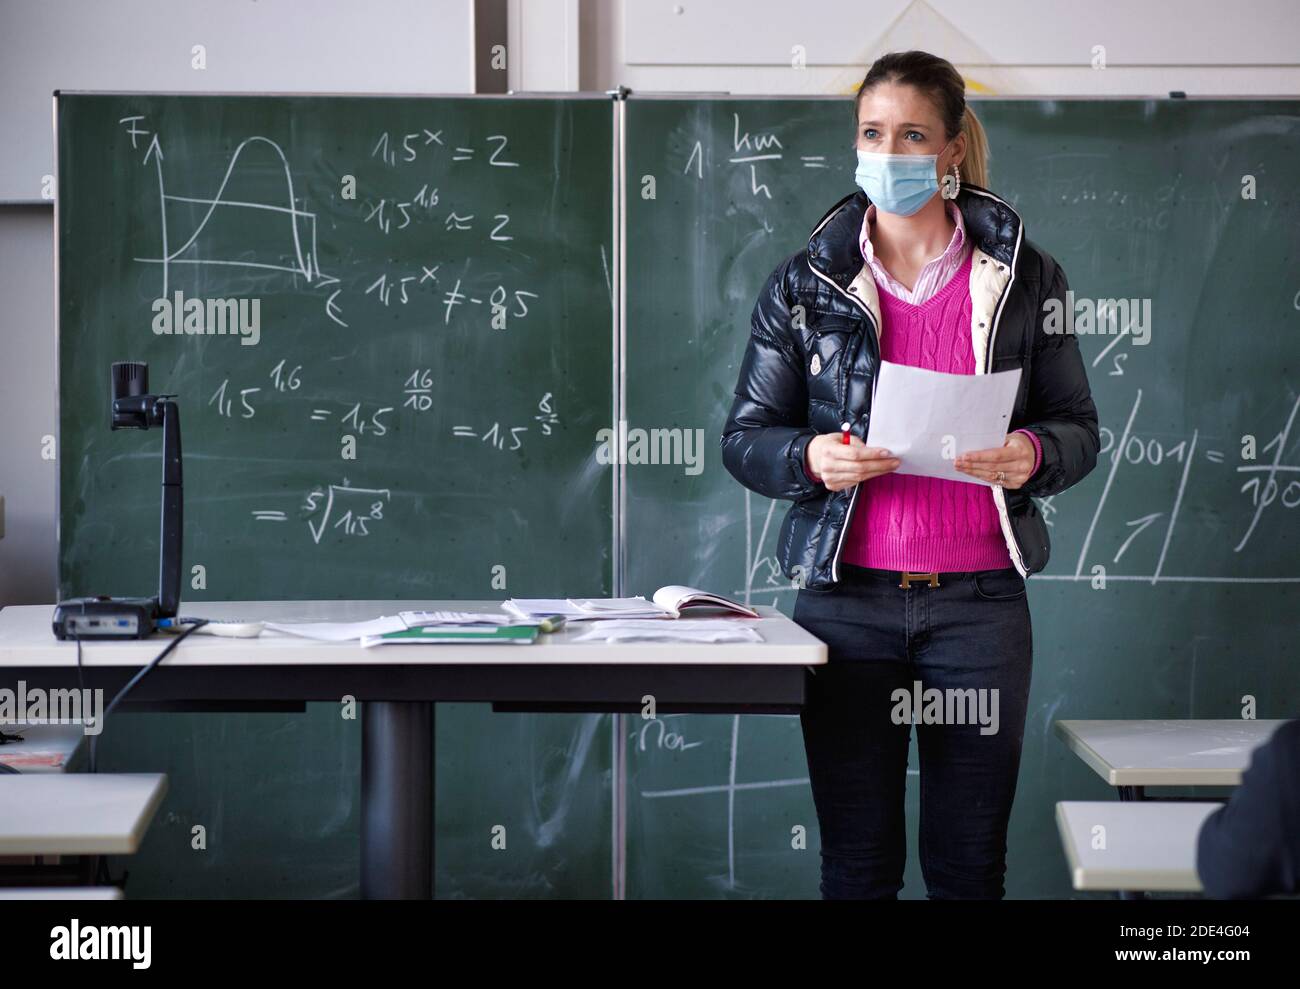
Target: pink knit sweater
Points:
(904, 522)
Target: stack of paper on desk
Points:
(654, 630)
(668, 603)
(518, 613)
(347, 631)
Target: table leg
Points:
(397, 800)
(1129, 793)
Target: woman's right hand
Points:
(839, 466)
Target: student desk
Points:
(399, 686)
(61, 893)
(43, 749)
(77, 814)
(1132, 755)
(1148, 846)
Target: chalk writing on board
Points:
(419, 390)
(664, 738)
(298, 227)
(286, 379)
(418, 208)
(225, 403)
(287, 239)
(495, 435)
(356, 512)
(762, 571)
(338, 508)
(504, 437)
(231, 401)
(497, 300)
(674, 741)
(405, 149)
(750, 151)
(402, 288)
(356, 419)
(1261, 498)
(1271, 485)
(383, 213)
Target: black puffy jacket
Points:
(822, 301)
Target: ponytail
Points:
(975, 166)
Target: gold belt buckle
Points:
(930, 578)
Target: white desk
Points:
(60, 893)
(26, 639)
(1148, 846)
(77, 814)
(1167, 753)
(400, 685)
(43, 749)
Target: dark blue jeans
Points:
(968, 641)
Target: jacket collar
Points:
(991, 223)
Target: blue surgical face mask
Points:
(899, 184)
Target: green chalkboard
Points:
(1136, 199)
(408, 412)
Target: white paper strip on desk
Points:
(538, 607)
(340, 631)
(606, 608)
(655, 630)
(926, 418)
(585, 609)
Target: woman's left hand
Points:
(1015, 459)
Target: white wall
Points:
(543, 45)
(27, 405)
(266, 46)
(1009, 47)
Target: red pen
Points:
(844, 431)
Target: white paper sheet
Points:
(585, 609)
(926, 418)
(339, 631)
(681, 630)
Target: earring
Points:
(951, 183)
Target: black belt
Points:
(909, 578)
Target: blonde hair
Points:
(975, 166)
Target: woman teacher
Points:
(912, 580)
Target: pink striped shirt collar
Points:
(936, 272)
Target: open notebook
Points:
(668, 602)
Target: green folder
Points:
(510, 634)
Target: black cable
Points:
(99, 865)
(5, 739)
(130, 684)
(81, 683)
(102, 875)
